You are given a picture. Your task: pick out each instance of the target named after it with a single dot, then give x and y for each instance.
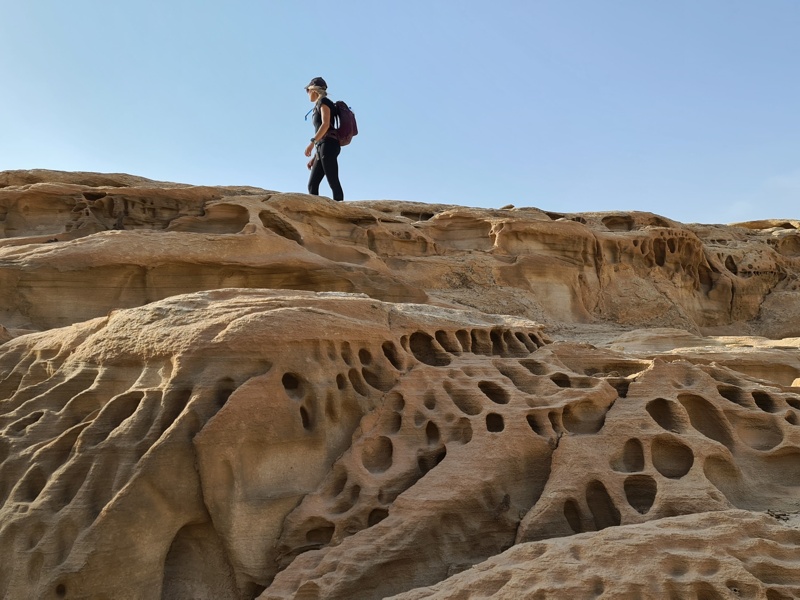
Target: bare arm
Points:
(325, 112)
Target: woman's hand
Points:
(310, 164)
(309, 149)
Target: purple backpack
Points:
(347, 126)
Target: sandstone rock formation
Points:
(228, 392)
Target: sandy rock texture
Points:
(234, 393)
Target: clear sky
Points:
(686, 108)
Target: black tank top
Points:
(316, 116)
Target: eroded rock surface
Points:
(235, 393)
(729, 554)
(100, 242)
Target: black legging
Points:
(326, 165)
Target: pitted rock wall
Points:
(233, 393)
(104, 242)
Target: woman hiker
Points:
(324, 163)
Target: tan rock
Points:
(730, 554)
(237, 393)
(64, 232)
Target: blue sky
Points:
(685, 108)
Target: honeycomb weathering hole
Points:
(320, 535)
(583, 417)
(632, 458)
(495, 423)
(293, 386)
(671, 457)
(707, 419)
(573, 516)
(423, 348)
(665, 413)
(640, 490)
(391, 354)
(765, 402)
(759, 433)
(602, 507)
(494, 392)
(376, 455)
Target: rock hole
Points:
(397, 400)
(765, 402)
(562, 380)
(534, 424)
(494, 392)
(555, 421)
(535, 368)
(707, 419)
(376, 516)
(733, 394)
(705, 591)
(573, 515)
(427, 462)
(357, 382)
(730, 264)
(603, 511)
(382, 382)
(621, 385)
(463, 399)
(293, 386)
(671, 457)
(495, 423)
(376, 454)
(339, 481)
(61, 589)
(430, 400)
(464, 340)
(583, 417)
(672, 245)
(481, 342)
(632, 458)
(347, 354)
(759, 433)
(786, 461)
(419, 419)
(666, 414)
(498, 346)
(364, 356)
(640, 490)
(390, 352)
(660, 251)
(225, 387)
(445, 341)
(305, 418)
(462, 431)
(423, 349)
(432, 433)
(618, 223)
(705, 278)
(276, 224)
(320, 535)
(91, 197)
(395, 422)
(341, 382)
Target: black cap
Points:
(318, 82)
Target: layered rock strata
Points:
(74, 246)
